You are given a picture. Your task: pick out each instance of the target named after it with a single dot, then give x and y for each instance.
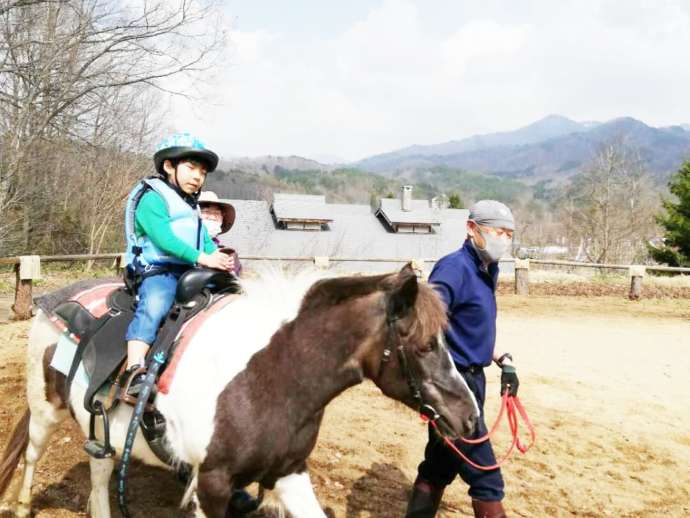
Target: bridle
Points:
(427, 411)
(510, 406)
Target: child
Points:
(165, 238)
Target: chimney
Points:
(406, 198)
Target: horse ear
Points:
(404, 294)
(408, 269)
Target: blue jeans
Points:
(156, 297)
(441, 465)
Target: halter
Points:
(425, 409)
(510, 405)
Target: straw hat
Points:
(207, 198)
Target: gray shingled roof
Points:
(319, 199)
(301, 207)
(355, 232)
(421, 212)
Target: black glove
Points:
(509, 380)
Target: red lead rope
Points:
(511, 406)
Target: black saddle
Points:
(101, 340)
(102, 346)
(194, 281)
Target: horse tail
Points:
(14, 451)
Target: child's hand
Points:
(217, 260)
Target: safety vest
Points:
(184, 221)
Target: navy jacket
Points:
(468, 290)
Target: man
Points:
(466, 281)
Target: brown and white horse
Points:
(249, 393)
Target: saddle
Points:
(98, 319)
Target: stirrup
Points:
(94, 447)
(130, 375)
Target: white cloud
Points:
(402, 74)
(481, 40)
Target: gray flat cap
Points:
(492, 213)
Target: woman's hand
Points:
(217, 260)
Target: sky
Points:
(344, 80)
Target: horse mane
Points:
(429, 311)
(430, 316)
(330, 292)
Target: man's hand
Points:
(509, 380)
(217, 260)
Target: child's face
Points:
(190, 175)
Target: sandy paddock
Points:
(606, 382)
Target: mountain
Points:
(550, 148)
(546, 128)
(269, 164)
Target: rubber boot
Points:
(484, 509)
(424, 501)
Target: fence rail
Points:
(28, 268)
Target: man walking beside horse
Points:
(466, 280)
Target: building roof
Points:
(420, 213)
(301, 207)
(354, 232)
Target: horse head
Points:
(414, 365)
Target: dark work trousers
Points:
(441, 464)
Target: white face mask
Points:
(213, 227)
(494, 247)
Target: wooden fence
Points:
(28, 268)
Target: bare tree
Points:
(609, 207)
(59, 59)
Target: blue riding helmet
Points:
(184, 145)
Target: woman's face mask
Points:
(213, 227)
(494, 246)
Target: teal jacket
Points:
(162, 228)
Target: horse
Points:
(249, 393)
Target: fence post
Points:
(637, 273)
(119, 263)
(322, 261)
(28, 269)
(522, 276)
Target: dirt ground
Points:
(604, 380)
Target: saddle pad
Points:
(185, 336)
(94, 301)
(62, 360)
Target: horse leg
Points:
(213, 492)
(41, 428)
(296, 494)
(198, 513)
(47, 407)
(99, 502)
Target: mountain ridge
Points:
(550, 147)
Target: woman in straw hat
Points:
(218, 217)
